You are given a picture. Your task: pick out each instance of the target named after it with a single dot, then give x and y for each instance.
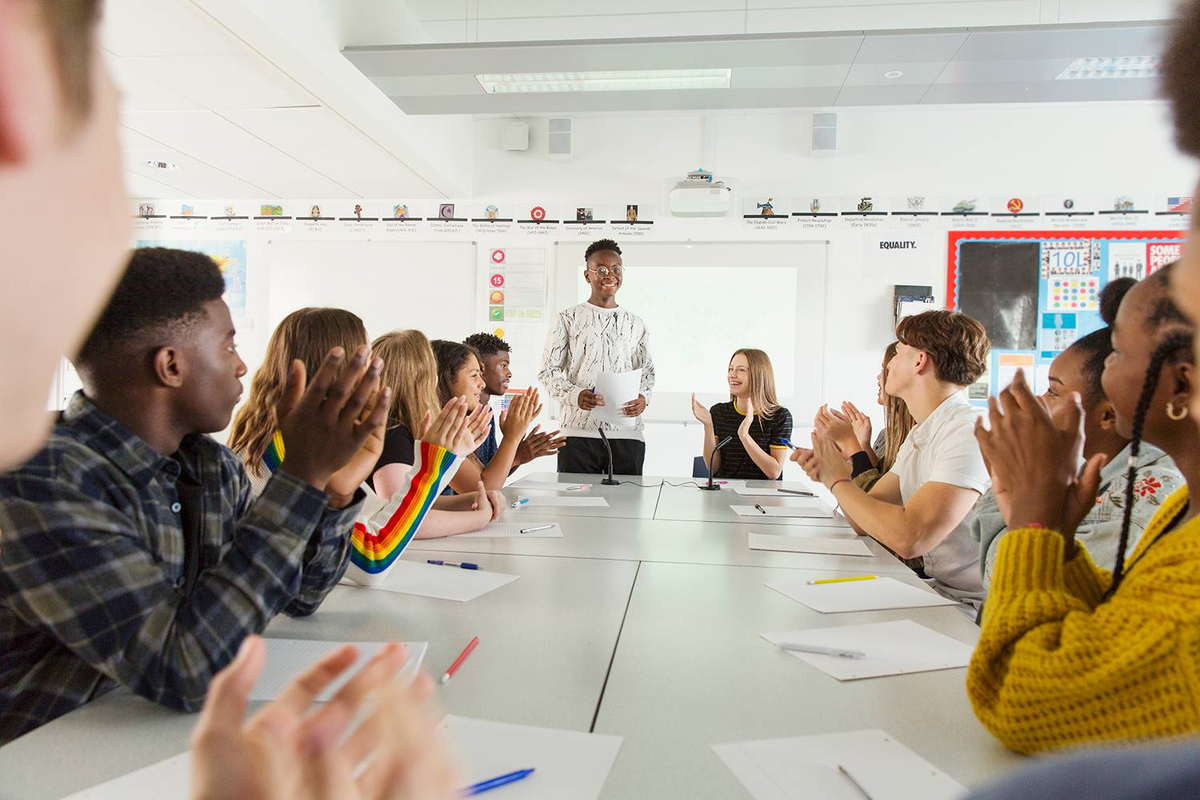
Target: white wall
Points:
(985, 150)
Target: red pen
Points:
(458, 661)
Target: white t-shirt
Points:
(943, 449)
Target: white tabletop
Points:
(545, 642)
(663, 585)
(691, 504)
(691, 671)
(626, 501)
(672, 541)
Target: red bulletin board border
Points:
(954, 237)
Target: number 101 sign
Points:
(1073, 257)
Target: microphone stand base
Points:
(714, 487)
(610, 482)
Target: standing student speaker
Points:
(824, 134)
(560, 143)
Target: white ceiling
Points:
(251, 103)
(196, 95)
(770, 71)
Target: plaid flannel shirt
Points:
(92, 568)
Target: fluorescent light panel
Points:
(610, 81)
(1111, 67)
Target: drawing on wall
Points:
(583, 214)
(446, 210)
(631, 213)
(270, 211)
(866, 204)
(230, 256)
(400, 212)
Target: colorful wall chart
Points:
(1037, 292)
(230, 255)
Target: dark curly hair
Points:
(599, 246)
(1181, 77)
(487, 344)
(162, 292)
(1097, 345)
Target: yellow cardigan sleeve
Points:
(1055, 667)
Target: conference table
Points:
(642, 621)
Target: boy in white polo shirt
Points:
(920, 508)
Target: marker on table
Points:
(857, 785)
(520, 502)
(843, 580)
(800, 492)
(536, 529)
(440, 563)
(458, 662)
(760, 508)
(822, 651)
(495, 783)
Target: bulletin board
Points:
(1036, 292)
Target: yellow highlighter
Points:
(843, 580)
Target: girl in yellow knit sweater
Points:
(1069, 653)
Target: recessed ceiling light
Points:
(161, 165)
(1111, 67)
(609, 81)
(893, 73)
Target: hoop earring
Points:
(1174, 414)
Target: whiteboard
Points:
(701, 301)
(391, 285)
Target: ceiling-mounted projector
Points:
(698, 195)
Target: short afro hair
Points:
(599, 246)
(487, 344)
(1181, 77)
(161, 293)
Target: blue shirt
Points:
(487, 450)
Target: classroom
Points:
(771, 399)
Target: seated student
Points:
(920, 508)
(132, 552)
(385, 525)
(760, 427)
(494, 354)
(307, 334)
(460, 374)
(1078, 369)
(850, 429)
(410, 371)
(1070, 653)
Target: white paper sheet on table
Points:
(568, 763)
(512, 530)
(440, 582)
(814, 509)
(287, 658)
(548, 502)
(805, 767)
(617, 389)
(166, 780)
(745, 491)
(841, 546)
(892, 648)
(876, 595)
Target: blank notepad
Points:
(874, 595)
(287, 658)
(892, 648)
(512, 530)
(166, 780)
(552, 486)
(805, 508)
(842, 546)
(805, 767)
(568, 763)
(441, 582)
(555, 501)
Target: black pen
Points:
(760, 508)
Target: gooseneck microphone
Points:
(609, 481)
(712, 487)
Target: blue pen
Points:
(520, 502)
(440, 563)
(496, 783)
(787, 444)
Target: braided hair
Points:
(1178, 343)
(1170, 347)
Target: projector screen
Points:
(702, 301)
